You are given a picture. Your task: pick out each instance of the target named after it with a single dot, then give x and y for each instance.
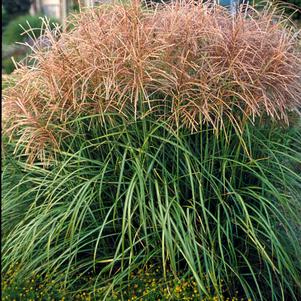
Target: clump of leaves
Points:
(118, 196)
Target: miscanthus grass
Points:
(161, 136)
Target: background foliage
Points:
(23, 29)
(16, 7)
(294, 6)
(26, 28)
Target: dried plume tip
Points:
(193, 61)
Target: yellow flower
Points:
(178, 288)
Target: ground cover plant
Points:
(167, 136)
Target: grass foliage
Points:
(117, 198)
(158, 137)
(293, 7)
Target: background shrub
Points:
(5, 18)
(26, 28)
(8, 65)
(23, 29)
(16, 7)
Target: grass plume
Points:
(187, 62)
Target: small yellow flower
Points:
(178, 288)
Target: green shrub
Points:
(8, 65)
(16, 7)
(157, 136)
(22, 29)
(15, 31)
(5, 18)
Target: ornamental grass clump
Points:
(166, 135)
